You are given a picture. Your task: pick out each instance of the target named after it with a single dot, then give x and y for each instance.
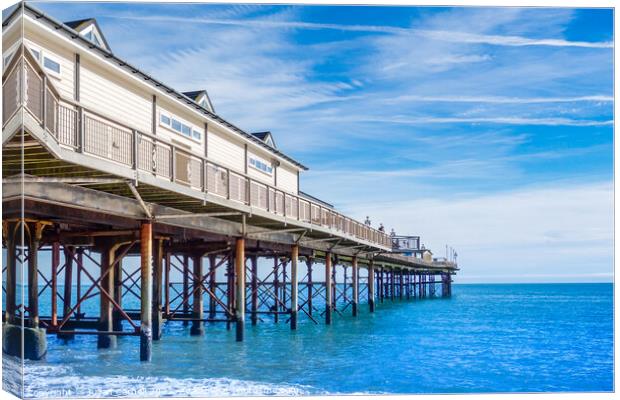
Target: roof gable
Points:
(201, 97)
(266, 137)
(89, 29)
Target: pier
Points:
(126, 212)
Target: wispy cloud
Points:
(482, 120)
(447, 36)
(500, 100)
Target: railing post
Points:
(172, 160)
(228, 185)
(134, 153)
(203, 181)
(44, 103)
(79, 129)
(206, 176)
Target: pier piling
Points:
(254, 288)
(371, 286)
(197, 304)
(158, 258)
(328, 288)
(355, 277)
(107, 263)
(146, 252)
(294, 285)
(240, 286)
(186, 294)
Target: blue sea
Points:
(485, 338)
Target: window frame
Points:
(7, 56)
(43, 54)
(255, 162)
(173, 118)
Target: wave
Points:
(53, 381)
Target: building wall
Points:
(66, 58)
(224, 150)
(287, 179)
(116, 94)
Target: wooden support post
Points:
(230, 290)
(294, 285)
(240, 295)
(66, 304)
(344, 281)
(158, 258)
(309, 287)
(408, 278)
(117, 319)
(380, 276)
(402, 284)
(78, 287)
(334, 284)
(108, 255)
(254, 288)
(33, 279)
(371, 286)
(146, 252)
(212, 284)
(185, 288)
(167, 267)
(276, 305)
(392, 284)
(11, 271)
(197, 304)
(355, 277)
(328, 288)
(54, 278)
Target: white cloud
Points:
(480, 120)
(439, 35)
(500, 100)
(557, 230)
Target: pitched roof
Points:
(79, 25)
(106, 53)
(195, 95)
(266, 137)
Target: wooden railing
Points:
(89, 132)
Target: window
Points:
(261, 165)
(179, 126)
(51, 64)
(7, 58)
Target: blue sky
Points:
(489, 129)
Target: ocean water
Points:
(485, 338)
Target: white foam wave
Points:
(46, 381)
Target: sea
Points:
(484, 338)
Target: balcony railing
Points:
(89, 132)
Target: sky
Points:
(487, 129)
